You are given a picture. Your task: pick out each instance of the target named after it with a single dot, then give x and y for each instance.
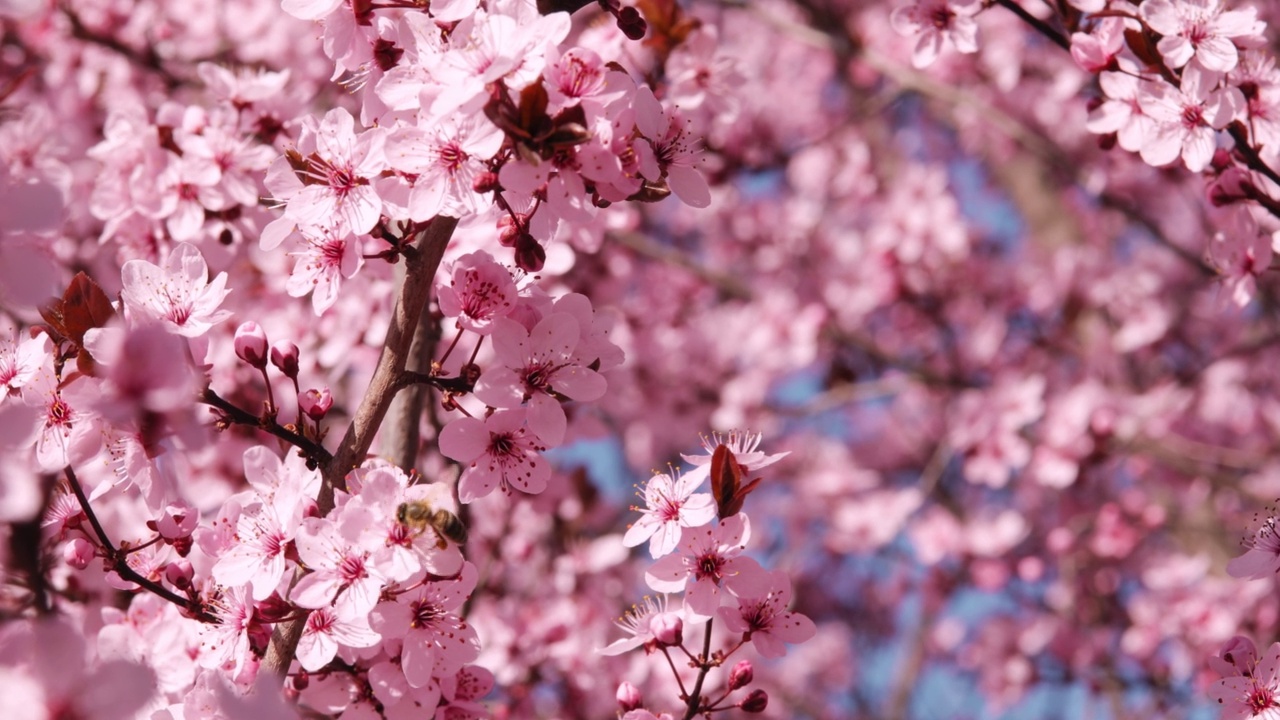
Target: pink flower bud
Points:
(284, 355)
(78, 553)
(179, 574)
(177, 521)
(667, 629)
(741, 675)
(629, 696)
(756, 702)
(251, 344)
(316, 403)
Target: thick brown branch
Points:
(422, 258)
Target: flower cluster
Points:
(703, 557)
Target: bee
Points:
(419, 515)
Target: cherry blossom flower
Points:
(479, 292)
(341, 571)
(1199, 29)
(1095, 51)
(20, 360)
(322, 266)
(371, 517)
(672, 506)
(1121, 112)
(538, 366)
(446, 157)
(1262, 559)
(500, 452)
(341, 170)
(1188, 117)
(463, 691)
(709, 557)
(325, 630)
(266, 527)
(672, 152)
(178, 294)
(762, 616)
(638, 623)
(937, 23)
(225, 644)
(1241, 253)
(1254, 693)
(436, 640)
(69, 431)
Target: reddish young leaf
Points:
(726, 478)
(81, 308)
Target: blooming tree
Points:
(333, 332)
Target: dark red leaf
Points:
(726, 477)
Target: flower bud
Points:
(667, 629)
(741, 675)
(251, 344)
(78, 553)
(316, 403)
(179, 574)
(284, 355)
(178, 520)
(485, 182)
(756, 702)
(629, 696)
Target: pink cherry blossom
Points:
(672, 151)
(1262, 558)
(342, 572)
(1188, 117)
(935, 24)
(1254, 693)
(671, 506)
(69, 430)
(762, 616)
(479, 292)
(638, 623)
(1122, 112)
(446, 158)
(500, 452)
(20, 360)
(339, 174)
(709, 557)
(538, 367)
(324, 262)
(226, 643)
(325, 631)
(1199, 29)
(436, 640)
(178, 294)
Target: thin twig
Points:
(239, 416)
(119, 560)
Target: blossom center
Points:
(425, 614)
(709, 566)
(351, 569)
(59, 412)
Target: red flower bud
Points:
(741, 675)
(284, 355)
(756, 702)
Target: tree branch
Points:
(422, 258)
